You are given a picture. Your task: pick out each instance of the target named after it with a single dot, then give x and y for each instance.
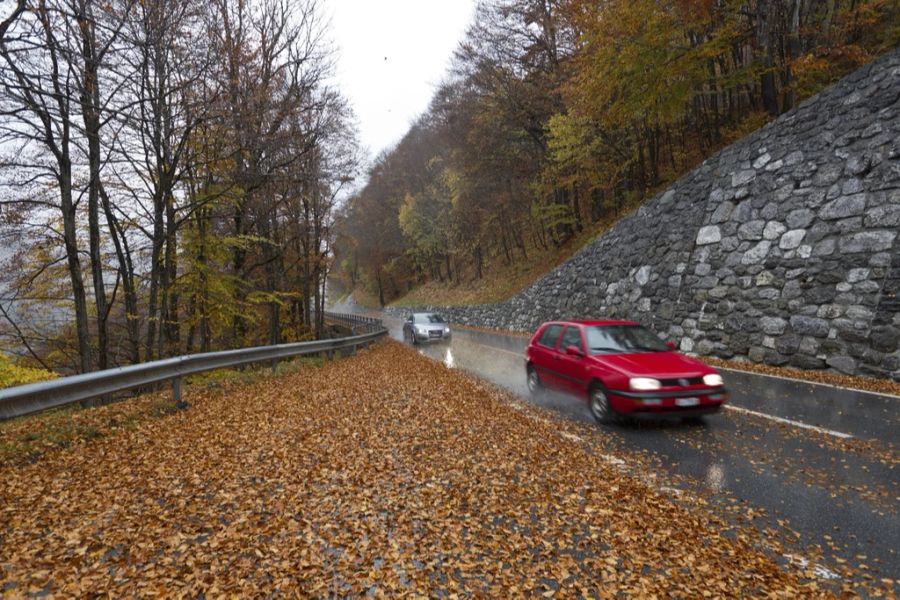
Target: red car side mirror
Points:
(672, 345)
(574, 351)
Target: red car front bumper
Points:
(686, 402)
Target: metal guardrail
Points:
(36, 397)
(355, 323)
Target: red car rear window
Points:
(550, 336)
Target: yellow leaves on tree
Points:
(12, 374)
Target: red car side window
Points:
(572, 337)
(550, 336)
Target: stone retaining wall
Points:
(782, 248)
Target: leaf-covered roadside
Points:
(385, 473)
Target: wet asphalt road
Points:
(817, 459)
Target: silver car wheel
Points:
(600, 405)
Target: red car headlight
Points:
(713, 380)
(644, 384)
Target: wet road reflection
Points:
(842, 493)
(715, 477)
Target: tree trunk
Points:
(90, 107)
(478, 262)
(126, 271)
(768, 85)
(793, 47)
(380, 288)
(205, 335)
(70, 237)
(238, 322)
(171, 323)
(156, 272)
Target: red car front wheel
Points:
(598, 402)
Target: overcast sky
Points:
(391, 56)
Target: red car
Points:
(622, 368)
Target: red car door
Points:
(571, 368)
(544, 356)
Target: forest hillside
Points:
(561, 116)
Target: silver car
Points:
(426, 327)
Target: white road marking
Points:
(820, 571)
(613, 460)
(831, 432)
(520, 355)
(807, 382)
(516, 354)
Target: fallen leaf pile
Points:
(384, 474)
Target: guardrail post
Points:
(176, 390)
(274, 364)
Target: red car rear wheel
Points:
(534, 381)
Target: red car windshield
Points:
(602, 339)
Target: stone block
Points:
(857, 275)
(757, 254)
(743, 212)
(643, 275)
(709, 234)
(852, 186)
(742, 178)
(811, 326)
(792, 239)
(844, 364)
(775, 359)
(885, 339)
(751, 230)
(843, 207)
(809, 345)
(788, 343)
(830, 311)
(825, 247)
(800, 218)
(762, 160)
(802, 361)
(773, 325)
(756, 354)
(867, 241)
(887, 215)
(722, 212)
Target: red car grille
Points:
(682, 381)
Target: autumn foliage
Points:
(168, 173)
(561, 115)
(12, 373)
